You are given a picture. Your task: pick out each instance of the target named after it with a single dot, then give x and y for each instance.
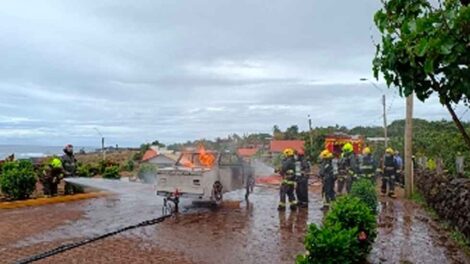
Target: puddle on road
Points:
(256, 223)
(406, 236)
(253, 233)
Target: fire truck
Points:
(335, 142)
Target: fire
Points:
(205, 158)
(185, 162)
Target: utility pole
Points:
(102, 144)
(310, 127)
(409, 177)
(384, 103)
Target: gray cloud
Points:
(174, 71)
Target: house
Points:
(160, 158)
(278, 146)
(247, 152)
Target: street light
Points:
(384, 108)
(102, 143)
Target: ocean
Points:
(26, 151)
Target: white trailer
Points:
(203, 177)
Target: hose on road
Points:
(73, 245)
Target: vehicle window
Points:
(229, 159)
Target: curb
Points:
(51, 200)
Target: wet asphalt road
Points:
(237, 232)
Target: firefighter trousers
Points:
(302, 190)
(49, 187)
(329, 188)
(287, 191)
(388, 182)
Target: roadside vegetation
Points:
(348, 231)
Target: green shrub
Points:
(111, 172)
(84, 170)
(18, 180)
(352, 213)
(129, 166)
(330, 245)
(364, 189)
(147, 173)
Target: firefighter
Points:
(69, 164)
(399, 176)
(51, 177)
(328, 174)
(288, 180)
(302, 169)
(347, 168)
(390, 168)
(368, 166)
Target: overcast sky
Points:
(181, 70)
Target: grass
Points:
(453, 233)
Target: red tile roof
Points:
(149, 154)
(247, 152)
(278, 146)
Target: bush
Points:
(352, 213)
(111, 172)
(147, 173)
(129, 166)
(330, 245)
(84, 170)
(18, 180)
(364, 189)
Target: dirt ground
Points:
(237, 232)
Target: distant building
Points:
(278, 146)
(159, 157)
(247, 152)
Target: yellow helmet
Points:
(348, 147)
(288, 152)
(56, 163)
(326, 154)
(389, 151)
(366, 151)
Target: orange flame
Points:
(205, 158)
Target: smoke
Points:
(261, 169)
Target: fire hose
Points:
(72, 245)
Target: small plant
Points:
(129, 166)
(18, 180)
(83, 170)
(111, 172)
(147, 173)
(330, 245)
(364, 189)
(352, 213)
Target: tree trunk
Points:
(458, 124)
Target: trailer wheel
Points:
(217, 194)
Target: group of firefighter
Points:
(337, 170)
(57, 169)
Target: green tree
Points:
(424, 49)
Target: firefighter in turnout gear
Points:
(302, 169)
(347, 168)
(69, 164)
(390, 168)
(328, 172)
(51, 177)
(367, 166)
(288, 180)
